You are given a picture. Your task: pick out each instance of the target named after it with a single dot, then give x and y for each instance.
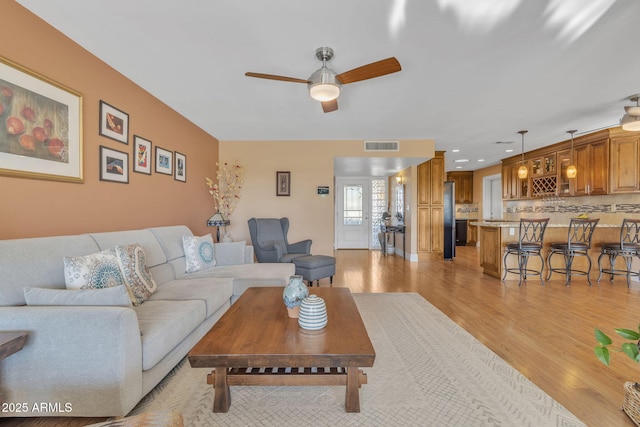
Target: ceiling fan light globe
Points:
(324, 92)
(630, 123)
(633, 110)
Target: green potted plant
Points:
(631, 404)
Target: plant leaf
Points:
(630, 349)
(628, 334)
(603, 354)
(602, 338)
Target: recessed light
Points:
(455, 150)
(481, 160)
(458, 167)
(508, 150)
(461, 161)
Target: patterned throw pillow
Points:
(94, 271)
(198, 253)
(136, 274)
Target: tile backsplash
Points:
(611, 209)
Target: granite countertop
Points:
(508, 224)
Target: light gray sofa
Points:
(101, 360)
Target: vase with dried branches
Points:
(225, 193)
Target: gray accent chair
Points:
(269, 240)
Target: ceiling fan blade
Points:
(274, 77)
(370, 71)
(329, 106)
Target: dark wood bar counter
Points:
(494, 236)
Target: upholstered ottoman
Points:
(315, 267)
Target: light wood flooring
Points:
(545, 332)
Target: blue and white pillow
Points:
(198, 253)
(95, 271)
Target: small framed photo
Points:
(180, 173)
(114, 165)
(141, 155)
(114, 123)
(283, 183)
(164, 161)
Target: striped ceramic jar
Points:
(313, 313)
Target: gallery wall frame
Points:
(142, 155)
(114, 165)
(180, 167)
(164, 161)
(283, 183)
(114, 123)
(41, 130)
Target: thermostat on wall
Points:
(323, 190)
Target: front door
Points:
(353, 204)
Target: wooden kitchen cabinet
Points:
(512, 186)
(592, 162)
(624, 165)
(431, 178)
(463, 185)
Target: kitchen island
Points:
(494, 235)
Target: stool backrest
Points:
(630, 233)
(532, 230)
(581, 230)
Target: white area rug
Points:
(428, 372)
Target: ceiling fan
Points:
(325, 85)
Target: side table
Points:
(11, 342)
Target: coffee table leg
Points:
(352, 399)
(222, 394)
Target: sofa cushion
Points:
(136, 274)
(164, 324)
(198, 252)
(215, 292)
(37, 262)
(115, 296)
(170, 239)
(259, 274)
(145, 238)
(230, 253)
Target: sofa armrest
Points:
(70, 353)
(303, 247)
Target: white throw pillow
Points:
(198, 253)
(94, 271)
(230, 253)
(115, 296)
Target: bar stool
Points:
(628, 247)
(530, 238)
(578, 244)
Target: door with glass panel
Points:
(353, 213)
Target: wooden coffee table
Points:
(256, 333)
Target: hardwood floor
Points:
(545, 332)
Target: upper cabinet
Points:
(607, 162)
(463, 186)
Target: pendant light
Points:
(631, 120)
(572, 172)
(522, 170)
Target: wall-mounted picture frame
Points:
(114, 123)
(164, 161)
(142, 155)
(114, 165)
(41, 126)
(180, 167)
(283, 183)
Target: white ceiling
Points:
(474, 72)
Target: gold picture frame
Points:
(40, 126)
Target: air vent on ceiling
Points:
(382, 146)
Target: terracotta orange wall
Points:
(30, 207)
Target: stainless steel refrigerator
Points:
(449, 220)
